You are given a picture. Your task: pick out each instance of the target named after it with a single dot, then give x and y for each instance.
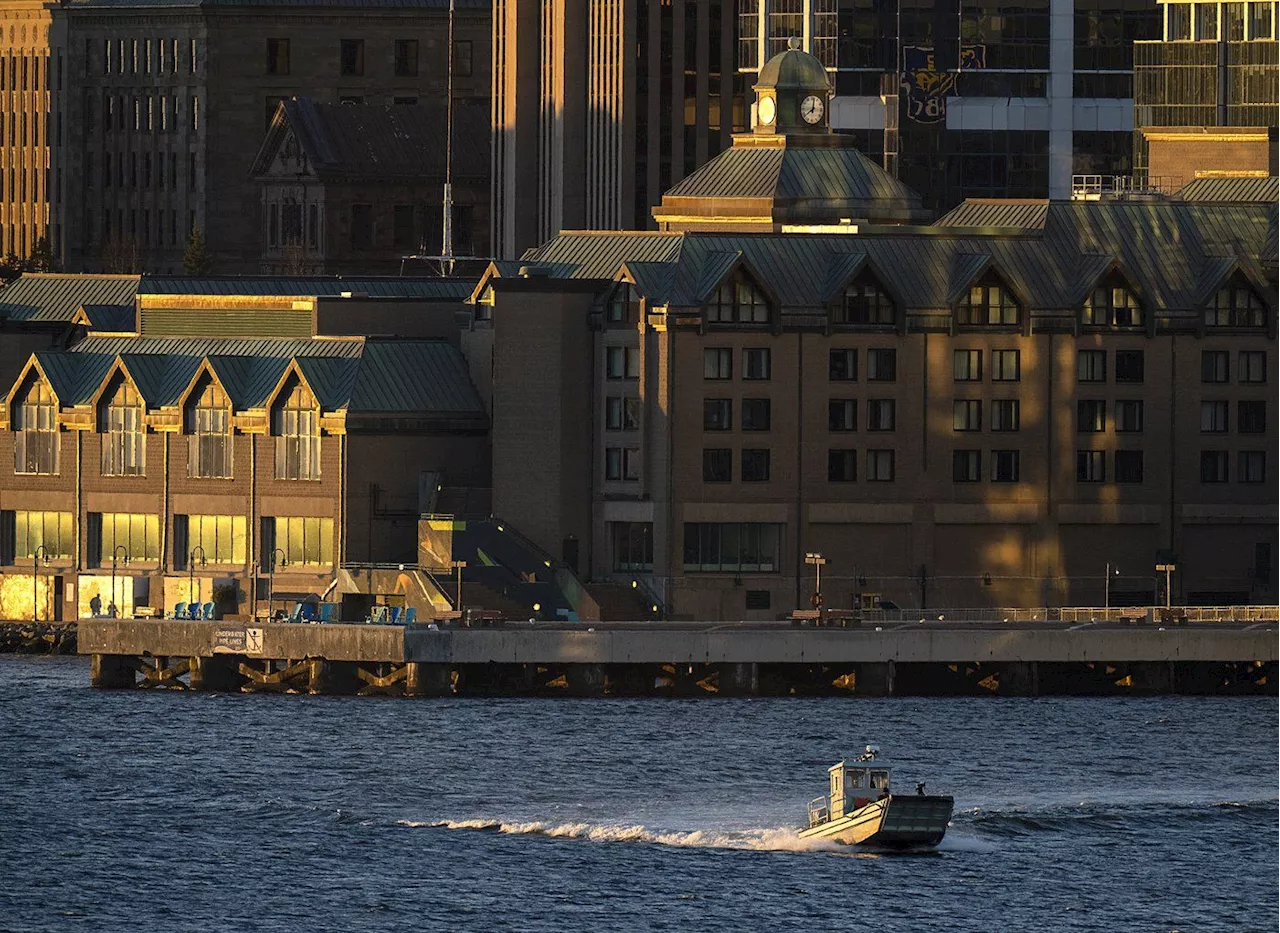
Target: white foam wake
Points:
(762, 840)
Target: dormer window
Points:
(738, 301)
(1112, 304)
(989, 303)
(35, 425)
(1235, 305)
(295, 421)
(123, 435)
(208, 427)
(624, 305)
(865, 302)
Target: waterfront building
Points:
(129, 123)
(226, 440)
(996, 409)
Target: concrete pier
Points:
(686, 659)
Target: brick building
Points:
(986, 411)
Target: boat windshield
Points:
(880, 780)
(855, 778)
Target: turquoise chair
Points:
(395, 615)
(179, 611)
(328, 612)
(410, 616)
(208, 612)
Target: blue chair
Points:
(328, 612)
(179, 611)
(193, 612)
(210, 612)
(410, 616)
(296, 615)
(395, 615)
(308, 613)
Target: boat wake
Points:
(1094, 816)
(760, 840)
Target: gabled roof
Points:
(48, 297)
(73, 380)
(402, 376)
(114, 319)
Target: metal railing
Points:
(1096, 187)
(1080, 614)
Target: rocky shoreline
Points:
(37, 637)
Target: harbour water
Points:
(141, 811)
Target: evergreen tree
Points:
(41, 259)
(195, 261)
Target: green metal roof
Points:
(435, 289)
(1238, 190)
(982, 212)
(46, 297)
(406, 376)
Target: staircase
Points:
(619, 602)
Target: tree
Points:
(41, 258)
(196, 261)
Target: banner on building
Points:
(926, 87)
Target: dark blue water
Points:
(143, 811)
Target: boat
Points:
(862, 809)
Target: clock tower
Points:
(792, 94)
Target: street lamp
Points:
(191, 575)
(458, 565)
(271, 583)
(114, 556)
(40, 551)
(1167, 570)
(813, 557)
(1106, 586)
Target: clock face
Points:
(766, 110)
(811, 109)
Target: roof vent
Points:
(355, 294)
(534, 272)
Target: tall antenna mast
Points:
(446, 242)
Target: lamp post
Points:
(1106, 586)
(271, 582)
(813, 557)
(1167, 570)
(458, 565)
(114, 557)
(40, 551)
(191, 575)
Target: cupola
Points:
(792, 94)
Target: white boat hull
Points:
(915, 821)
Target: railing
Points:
(1080, 614)
(819, 812)
(1096, 187)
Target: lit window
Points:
(738, 301)
(1237, 305)
(54, 531)
(1112, 305)
(306, 542)
(297, 429)
(123, 436)
(35, 448)
(988, 303)
(209, 434)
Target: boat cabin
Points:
(854, 784)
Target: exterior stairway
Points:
(619, 602)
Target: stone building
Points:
(992, 410)
(131, 122)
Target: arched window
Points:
(1235, 305)
(1112, 304)
(35, 423)
(123, 436)
(865, 302)
(208, 427)
(737, 301)
(296, 425)
(989, 303)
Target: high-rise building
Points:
(599, 107)
(985, 98)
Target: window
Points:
(463, 62)
(52, 530)
(966, 415)
(966, 466)
(297, 429)
(406, 58)
(621, 414)
(623, 306)
(988, 303)
(1111, 305)
(361, 226)
(880, 414)
(632, 547)
(738, 301)
(306, 542)
(402, 226)
(1128, 417)
(622, 463)
(1006, 415)
(1237, 305)
(1213, 466)
(967, 365)
(1253, 366)
(209, 430)
(880, 466)
(842, 414)
(195, 114)
(123, 436)
(756, 363)
(842, 365)
(1091, 416)
(622, 362)
(756, 414)
(138, 534)
(1252, 467)
(882, 365)
(1006, 365)
(865, 302)
(277, 56)
(352, 57)
(717, 465)
(1091, 466)
(221, 538)
(717, 414)
(1005, 466)
(1128, 466)
(1129, 366)
(1214, 417)
(1251, 417)
(842, 466)
(1214, 366)
(1091, 366)
(35, 448)
(755, 465)
(717, 363)
(1260, 26)
(731, 547)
